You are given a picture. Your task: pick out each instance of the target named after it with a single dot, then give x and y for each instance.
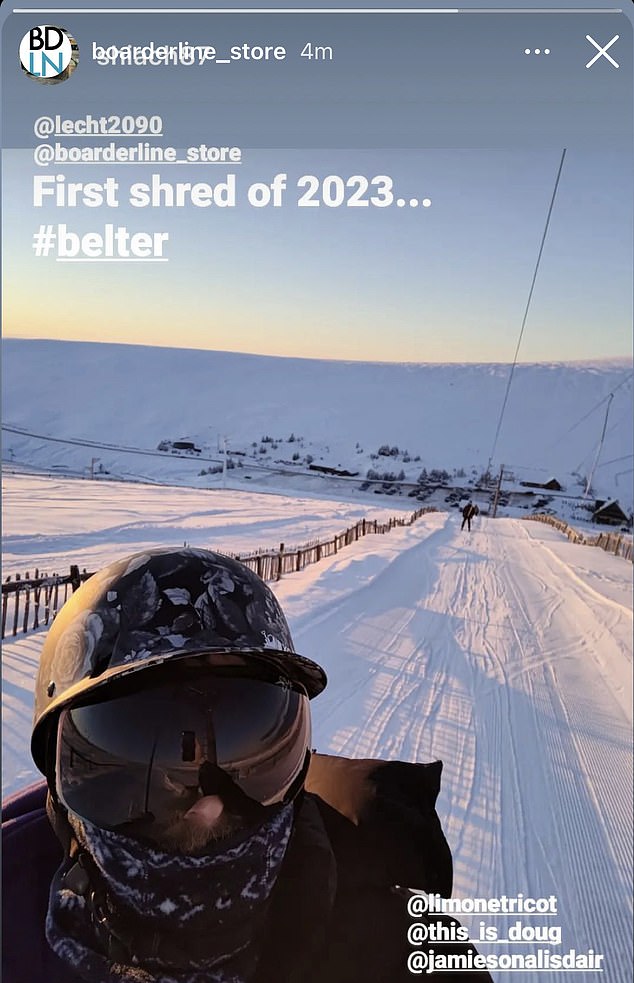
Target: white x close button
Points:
(602, 52)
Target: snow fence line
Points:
(32, 602)
(609, 541)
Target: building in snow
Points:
(609, 513)
(185, 445)
(340, 472)
(551, 485)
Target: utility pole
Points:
(224, 461)
(596, 459)
(93, 461)
(496, 494)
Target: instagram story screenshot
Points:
(317, 491)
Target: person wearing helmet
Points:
(201, 841)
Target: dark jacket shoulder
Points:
(381, 818)
(372, 832)
(31, 854)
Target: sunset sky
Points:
(444, 283)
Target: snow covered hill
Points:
(505, 652)
(334, 414)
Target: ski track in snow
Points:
(485, 654)
(491, 651)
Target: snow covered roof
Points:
(611, 506)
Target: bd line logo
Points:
(48, 54)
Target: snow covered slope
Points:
(505, 652)
(443, 415)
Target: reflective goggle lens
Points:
(154, 752)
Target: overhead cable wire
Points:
(599, 448)
(615, 460)
(528, 304)
(590, 412)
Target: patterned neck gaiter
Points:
(181, 919)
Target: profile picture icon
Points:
(48, 54)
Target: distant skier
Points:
(469, 511)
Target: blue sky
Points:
(444, 283)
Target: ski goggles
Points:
(150, 754)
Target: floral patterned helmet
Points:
(155, 606)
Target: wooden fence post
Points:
(36, 607)
(279, 561)
(16, 611)
(5, 601)
(27, 603)
(48, 593)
